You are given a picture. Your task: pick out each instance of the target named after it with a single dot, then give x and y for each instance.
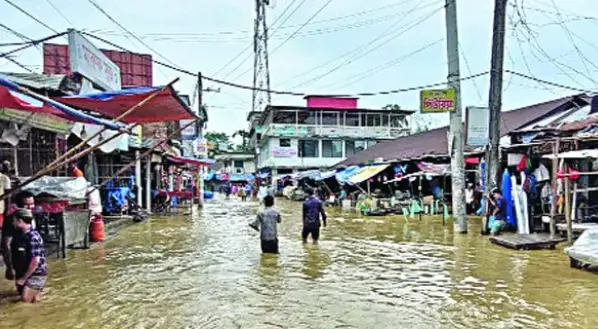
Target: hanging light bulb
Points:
(100, 137)
(83, 133)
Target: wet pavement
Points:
(206, 271)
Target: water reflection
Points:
(207, 271)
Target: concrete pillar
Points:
(138, 179)
(148, 183)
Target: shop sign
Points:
(201, 148)
(136, 137)
(437, 100)
(189, 133)
(477, 124)
(284, 152)
(91, 63)
(42, 121)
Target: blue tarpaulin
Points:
(326, 175)
(12, 97)
(343, 176)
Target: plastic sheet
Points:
(59, 187)
(585, 249)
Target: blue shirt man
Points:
(312, 209)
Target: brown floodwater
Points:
(206, 271)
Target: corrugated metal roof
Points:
(35, 80)
(435, 142)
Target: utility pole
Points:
(456, 134)
(261, 66)
(495, 96)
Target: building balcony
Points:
(334, 132)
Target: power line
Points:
(358, 49)
(384, 66)
(99, 8)
(60, 13)
(30, 43)
(549, 83)
(353, 59)
(31, 16)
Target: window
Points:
(308, 148)
(397, 121)
(385, 119)
(352, 119)
(238, 163)
(284, 117)
(352, 147)
(371, 120)
(329, 119)
(309, 117)
(284, 142)
(332, 149)
(371, 143)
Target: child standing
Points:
(266, 223)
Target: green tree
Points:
(392, 107)
(245, 140)
(221, 140)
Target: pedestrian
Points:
(29, 259)
(23, 199)
(243, 193)
(497, 220)
(312, 209)
(266, 223)
(262, 192)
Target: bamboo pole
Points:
(118, 118)
(568, 211)
(141, 156)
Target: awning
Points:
(366, 172)
(167, 106)
(343, 176)
(325, 175)
(191, 161)
(578, 154)
(11, 98)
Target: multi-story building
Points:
(235, 163)
(288, 139)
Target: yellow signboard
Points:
(437, 100)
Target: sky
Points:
(331, 47)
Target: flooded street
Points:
(375, 272)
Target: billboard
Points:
(437, 100)
(135, 69)
(91, 63)
(477, 126)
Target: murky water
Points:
(376, 272)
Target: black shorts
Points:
(270, 246)
(314, 231)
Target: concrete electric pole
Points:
(456, 134)
(495, 96)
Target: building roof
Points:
(435, 142)
(35, 80)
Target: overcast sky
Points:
(350, 46)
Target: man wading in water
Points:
(266, 222)
(312, 209)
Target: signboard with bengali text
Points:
(477, 126)
(284, 152)
(91, 63)
(437, 100)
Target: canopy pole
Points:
(568, 209)
(148, 183)
(138, 182)
(115, 120)
(144, 154)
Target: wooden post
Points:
(568, 209)
(555, 170)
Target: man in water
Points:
(312, 209)
(23, 200)
(497, 220)
(30, 261)
(266, 223)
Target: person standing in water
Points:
(266, 223)
(312, 209)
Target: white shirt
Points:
(4, 185)
(469, 196)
